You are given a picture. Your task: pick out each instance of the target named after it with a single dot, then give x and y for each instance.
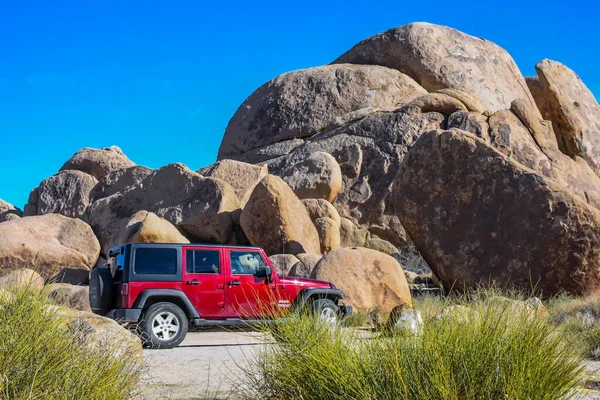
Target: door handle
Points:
(234, 283)
(193, 282)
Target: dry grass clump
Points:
(494, 351)
(42, 356)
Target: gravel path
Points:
(207, 365)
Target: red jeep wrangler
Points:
(165, 288)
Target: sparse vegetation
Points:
(496, 351)
(579, 317)
(44, 357)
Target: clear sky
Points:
(161, 79)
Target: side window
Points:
(246, 262)
(155, 261)
(202, 262)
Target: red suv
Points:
(166, 288)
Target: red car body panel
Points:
(226, 293)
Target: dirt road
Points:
(207, 365)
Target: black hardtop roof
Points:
(117, 249)
(187, 244)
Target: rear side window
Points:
(203, 262)
(155, 261)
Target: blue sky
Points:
(162, 79)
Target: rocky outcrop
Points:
(283, 263)
(461, 200)
(147, 227)
(438, 57)
(22, 279)
(71, 296)
(103, 334)
(369, 153)
(305, 267)
(371, 280)
(66, 193)
(327, 221)
(317, 177)
(117, 181)
(96, 162)
(243, 177)
(47, 243)
(301, 103)
(537, 91)
(573, 110)
(533, 145)
(202, 207)
(276, 220)
(9, 212)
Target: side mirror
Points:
(264, 272)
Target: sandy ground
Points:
(207, 365)
(210, 365)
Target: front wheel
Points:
(163, 326)
(326, 311)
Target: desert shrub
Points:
(580, 318)
(43, 357)
(496, 352)
(357, 320)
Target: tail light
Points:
(124, 289)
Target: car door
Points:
(248, 295)
(204, 279)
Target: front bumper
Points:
(125, 315)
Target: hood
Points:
(313, 283)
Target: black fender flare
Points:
(149, 295)
(306, 294)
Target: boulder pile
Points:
(420, 149)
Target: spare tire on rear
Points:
(101, 287)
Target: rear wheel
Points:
(326, 311)
(163, 326)
(100, 290)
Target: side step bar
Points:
(201, 322)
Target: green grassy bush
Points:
(42, 357)
(580, 318)
(494, 353)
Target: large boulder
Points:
(478, 216)
(537, 91)
(301, 103)
(66, 193)
(104, 334)
(243, 177)
(147, 227)
(369, 153)
(518, 134)
(283, 263)
(203, 208)
(8, 211)
(71, 296)
(48, 243)
(23, 278)
(574, 112)
(96, 162)
(320, 208)
(371, 280)
(327, 222)
(317, 177)
(276, 220)
(308, 262)
(117, 181)
(438, 57)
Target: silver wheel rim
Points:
(328, 316)
(165, 326)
